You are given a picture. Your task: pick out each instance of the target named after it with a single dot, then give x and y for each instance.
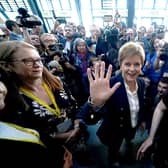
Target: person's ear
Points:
(7, 67)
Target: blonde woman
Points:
(122, 110)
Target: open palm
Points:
(100, 90)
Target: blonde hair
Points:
(7, 55)
(9, 48)
(130, 49)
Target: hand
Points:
(72, 134)
(94, 38)
(142, 126)
(148, 65)
(158, 53)
(145, 145)
(100, 90)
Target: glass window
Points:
(160, 4)
(5, 5)
(56, 5)
(148, 4)
(138, 4)
(96, 4)
(146, 22)
(106, 4)
(86, 13)
(12, 15)
(2, 16)
(74, 15)
(121, 4)
(65, 4)
(159, 21)
(49, 23)
(13, 5)
(42, 5)
(98, 21)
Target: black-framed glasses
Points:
(30, 62)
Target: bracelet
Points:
(90, 102)
(96, 108)
(76, 126)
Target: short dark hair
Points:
(164, 80)
(9, 24)
(79, 27)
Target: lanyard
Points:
(55, 111)
(25, 135)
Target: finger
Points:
(144, 149)
(141, 151)
(102, 69)
(115, 87)
(89, 73)
(141, 155)
(138, 156)
(109, 72)
(97, 70)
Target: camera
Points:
(27, 20)
(61, 20)
(56, 47)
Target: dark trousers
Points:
(160, 157)
(160, 162)
(114, 148)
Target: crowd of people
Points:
(54, 84)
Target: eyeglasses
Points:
(30, 62)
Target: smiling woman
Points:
(49, 103)
(17, 140)
(121, 116)
(21, 143)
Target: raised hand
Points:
(100, 90)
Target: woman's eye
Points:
(127, 64)
(137, 65)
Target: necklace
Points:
(54, 110)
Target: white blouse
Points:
(133, 105)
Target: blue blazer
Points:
(116, 122)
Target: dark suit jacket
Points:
(116, 121)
